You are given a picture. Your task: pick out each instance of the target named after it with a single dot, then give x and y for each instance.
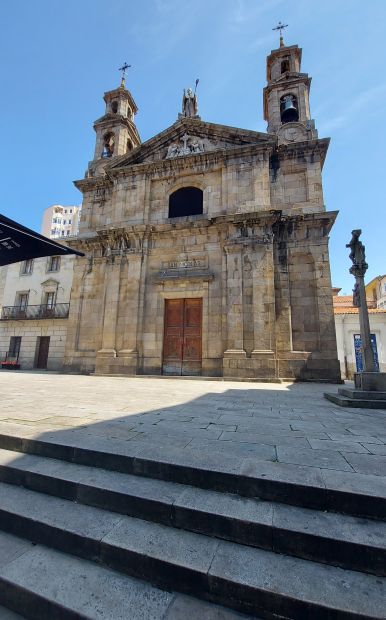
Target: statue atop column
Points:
(357, 254)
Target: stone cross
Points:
(185, 139)
(358, 270)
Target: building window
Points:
(50, 300)
(53, 263)
(108, 144)
(27, 267)
(186, 201)
(114, 107)
(285, 65)
(22, 300)
(62, 233)
(14, 347)
(68, 233)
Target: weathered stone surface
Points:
(61, 581)
(292, 587)
(255, 253)
(7, 614)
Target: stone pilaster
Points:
(111, 303)
(128, 354)
(234, 297)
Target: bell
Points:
(289, 112)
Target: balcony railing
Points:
(43, 311)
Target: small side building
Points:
(348, 332)
(376, 291)
(34, 310)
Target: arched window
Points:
(285, 65)
(289, 110)
(185, 201)
(108, 144)
(114, 107)
(129, 146)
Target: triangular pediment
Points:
(190, 136)
(50, 282)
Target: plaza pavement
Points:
(287, 423)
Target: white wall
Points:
(34, 282)
(346, 326)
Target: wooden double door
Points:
(182, 351)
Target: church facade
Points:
(206, 247)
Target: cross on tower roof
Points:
(280, 27)
(124, 69)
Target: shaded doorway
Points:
(182, 337)
(42, 346)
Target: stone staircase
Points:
(93, 528)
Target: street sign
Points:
(358, 351)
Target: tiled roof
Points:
(352, 310)
(345, 302)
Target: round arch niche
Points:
(186, 201)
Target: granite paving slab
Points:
(289, 422)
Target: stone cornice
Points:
(292, 79)
(93, 183)
(317, 146)
(139, 234)
(110, 119)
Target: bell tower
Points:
(286, 96)
(116, 133)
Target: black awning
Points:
(19, 243)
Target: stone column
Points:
(358, 270)
(234, 302)
(111, 301)
(129, 353)
(282, 298)
(263, 355)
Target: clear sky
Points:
(59, 56)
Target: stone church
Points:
(206, 247)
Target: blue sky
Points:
(58, 57)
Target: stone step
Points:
(341, 540)
(45, 584)
(362, 394)
(358, 403)
(7, 614)
(246, 579)
(309, 487)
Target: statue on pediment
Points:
(189, 103)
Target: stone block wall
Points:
(29, 331)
